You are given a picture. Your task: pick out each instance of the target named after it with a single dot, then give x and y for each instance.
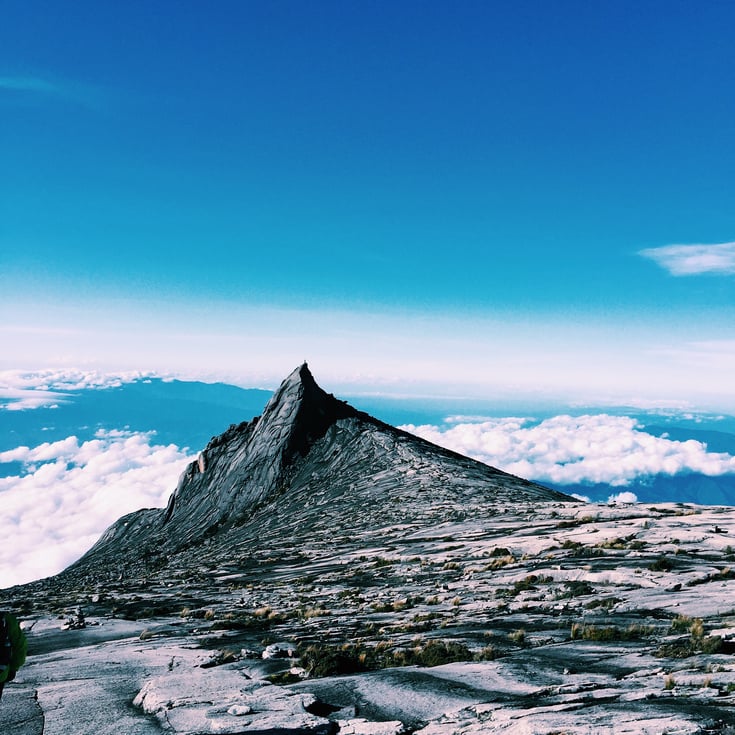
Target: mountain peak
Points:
(308, 450)
(298, 414)
(246, 464)
(301, 374)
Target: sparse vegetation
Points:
(327, 660)
(518, 637)
(606, 603)
(601, 633)
(499, 563)
(530, 582)
(662, 564)
(575, 589)
(697, 642)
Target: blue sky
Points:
(477, 197)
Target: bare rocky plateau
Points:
(376, 584)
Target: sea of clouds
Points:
(569, 450)
(21, 390)
(67, 492)
(58, 497)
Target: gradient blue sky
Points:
(422, 197)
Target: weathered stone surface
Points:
(522, 588)
(20, 713)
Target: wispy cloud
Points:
(42, 87)
(29, 84)
(692, 260)
(577, 449)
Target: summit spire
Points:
(308, 450)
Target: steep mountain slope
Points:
(307, 455)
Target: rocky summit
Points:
(310, 461)
(317, 571)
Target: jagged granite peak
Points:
(310, 461)
(242, 467)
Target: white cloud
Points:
(576, 449)
(690, 260)
(583, 498)
(21, 390)
(623, 498)
(69, 493)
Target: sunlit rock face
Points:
(308, 452)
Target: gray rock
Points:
(308, 451)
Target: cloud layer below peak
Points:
(67, 492)
(21, 390)
(570, 450)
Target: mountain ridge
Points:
(308, 449)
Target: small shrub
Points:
(322, 660)
(681, 624)
(662, 564)
(697, 642)
(575, 589)
(613, 543)
(711, 644)
(609, 633)
(518, 637)
(436, 653)
(669, 682)
(488, 653)
(569, 544)
(313, 612)
(499, 563)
